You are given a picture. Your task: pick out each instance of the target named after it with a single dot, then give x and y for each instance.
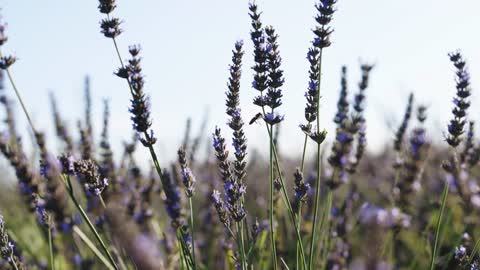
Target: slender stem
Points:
(285, 197)
(92, 247)
(299, 213)
(474, 251)
(156, 163)
(325, 220)
(192, 230)
(182, 254)
(319, 167)
(245, 229)
(287, 202)
(102, 201)
(50, 248)
(14, 263)
(284, 264)
(299, 224)
(185, 250)
(232, 234)
(241, 245)
(89, 223)
(272, 229)
(439, 224)
(242, 241)
(302, 164)
(19, 97)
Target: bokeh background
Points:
(187, 49)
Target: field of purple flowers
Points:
(89, 206)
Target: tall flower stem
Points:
(299, 212)
(92, 247)
(87, 220)
(192, 231)
(13, 262)
(102, 201)
(19, 97)
(50, 248)
(474, 251)
(241, 245)
(304, 152)
(184, 249)
(183, 260)
(286, 199)
(439, 224)
(271, 218)
(325, 219)
(319, 167)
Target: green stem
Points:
(232, 234)
(325, 219)
(192, 230)
(241, 246)
(302, 164)
(89, 223)
(182, 254)
(50, 248)
(284, 264)
(287, 202)
(19, 97)
(92, 247)
(102, 201)
(319, 167)
(185, 251)
(474, 251)
(14, 263)
(439, 224)
(271, 219)
(299, 214)
(285, 197)
(242, 241)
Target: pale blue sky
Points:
(187, 49)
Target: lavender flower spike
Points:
(220, 207)
(188, 178)
(7, 248)
(88, 171)
(456, 127)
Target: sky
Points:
(187, 49)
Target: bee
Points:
(255, 118)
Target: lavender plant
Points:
(198, 215)
(456, 128)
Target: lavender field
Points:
(77, 197)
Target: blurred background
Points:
(187, 49)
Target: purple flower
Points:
(343, 137)
(273, 118)
(216, 196)
(239, 43)
(216, 141)
(312, 85)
